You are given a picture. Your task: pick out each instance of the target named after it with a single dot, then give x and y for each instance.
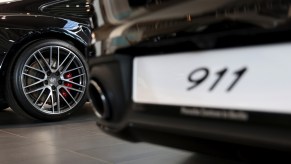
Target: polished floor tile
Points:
(79, 141)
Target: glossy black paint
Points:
(201, 25)
(25, 21)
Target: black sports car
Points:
(204, 75)
(43, 47)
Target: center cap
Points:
(53, 81)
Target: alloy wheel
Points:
(54, 79)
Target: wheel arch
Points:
(33, 37)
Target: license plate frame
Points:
(164, 79)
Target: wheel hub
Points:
(53, 80)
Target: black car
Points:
(205, 75)
(43, 56)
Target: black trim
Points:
(114, 73)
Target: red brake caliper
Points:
(63, 92)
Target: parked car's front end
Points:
(206, 75)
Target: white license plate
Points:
(254, 78)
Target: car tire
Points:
(47, 80)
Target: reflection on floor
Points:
(79, 141)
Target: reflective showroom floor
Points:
(79, 141)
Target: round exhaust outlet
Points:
(98, 100)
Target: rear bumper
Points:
(166, 125)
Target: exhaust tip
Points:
(98, 100)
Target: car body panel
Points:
(190, 17)
(178, 27)
(24, 21)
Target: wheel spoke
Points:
(58, 101)
(52, 99)
(35, 69)
(44, 60)
(34, 77)
(65, 101)
(83, 74)
(68, 81)
(70, 95)
(34, 84)
(39, 96)
(39, 63)
(49, 95)
(71, 70)
(68, 64)
(74, 89)
(35, 90)
(64, 61)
